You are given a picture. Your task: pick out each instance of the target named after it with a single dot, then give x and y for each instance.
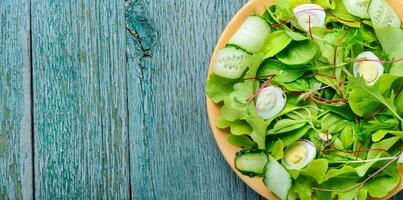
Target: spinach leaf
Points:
(298, 53)
(333, 123)
(302, 85)
(281, 72)
(346, 137)
(293, 136)
(276, 42)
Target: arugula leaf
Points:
(382, 121)
(241, 141)
(365, 100)
(276, 42)
(298, 53)
(217, 88)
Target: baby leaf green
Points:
(276, 42)
(298, 53)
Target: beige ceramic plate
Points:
(252, 7)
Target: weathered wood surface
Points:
(80, 99)
(173, 154)
(118, 100)
(15, 101)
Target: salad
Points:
(312, 92)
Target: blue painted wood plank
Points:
(15, 101)
(80, 109)
(173, 154)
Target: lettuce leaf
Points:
(383, 183)
(217, 88)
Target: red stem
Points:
(346, 151)
(250, 99)
(326, 75)
(258, 77)
(318, 9)
(309, 27)
(337, 44)
(373, 60)
(359, 149)
(359, 185)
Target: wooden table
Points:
(104, 99)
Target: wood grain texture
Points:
(15, 101)
(173, 154)
(80, 120)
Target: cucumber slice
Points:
(277, 178)
(231, 62)
(357, 8)
(382, 14)
(251, 162)
(252, 34)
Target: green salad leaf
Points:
(298, 53)
(383, 183)
(241, 141)
(276, 42)
(218, 88)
